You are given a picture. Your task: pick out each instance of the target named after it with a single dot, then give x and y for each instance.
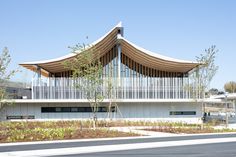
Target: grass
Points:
(121, 123)
(54, 130)
(189, 130)
(86, 124)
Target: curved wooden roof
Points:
(105, 43)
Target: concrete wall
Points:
(126, 111)
(161, 112)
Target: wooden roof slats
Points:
(105, 44)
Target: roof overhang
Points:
(155, 60)
(106, 43)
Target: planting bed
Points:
(60, 130)
(188, 130)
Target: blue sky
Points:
(38, 30)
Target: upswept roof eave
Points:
(143, 52)
(49, 60)
(72, 54)
(157, 55)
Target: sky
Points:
(43, 29)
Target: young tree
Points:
(111, 95)
(87, 71)
(110, 92)
(230, 87)
(207, 70)
(5, 75)
(204, 73)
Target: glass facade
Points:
(131, 81)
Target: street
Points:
(191, 145)
(206, 150)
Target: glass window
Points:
(81, 109)
(65, 109)
(88, 109)
(182, 112)
(58, 109)
(48, 109)
(102, 109)
(74, 109)
(113, 109)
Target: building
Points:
(148, 86)
(225, 107)
(16, 90)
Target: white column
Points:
(32, 88)
(119, 63)
(38, 72)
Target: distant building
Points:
(18, 93)
(16, 90)
(149, 86)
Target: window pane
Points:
(70, 109)
(81, 109)
(58, 109)
(88, 109)
(47, 109)
(102, 109)
(182, 112)
(65, 109)
(74, 109)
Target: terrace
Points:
(123, 88)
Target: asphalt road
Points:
(204, 150)
(107, 142)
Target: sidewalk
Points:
(138, 130)
(230, 126)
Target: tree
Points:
(87, 71)
(212, 91)
(207, 70)
(111, 95)
(203, 74)
(230, 87)
(5, 75)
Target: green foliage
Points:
(5, 75)
(87, 66)
(207, 69)
(60, 130)
(201, 76)
(213, 91)
(5, 60)
(188, 129)
(230, 87)
(53, 130)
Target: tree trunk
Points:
(203, 118)
(94, 118)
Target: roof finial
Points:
(119, 24)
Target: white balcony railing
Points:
(125, 88)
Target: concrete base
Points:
(132, 111)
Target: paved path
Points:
(132, 145)
(138, 130)
(230, 126)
